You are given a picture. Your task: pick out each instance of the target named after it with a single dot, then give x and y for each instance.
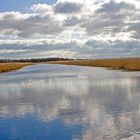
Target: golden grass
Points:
(5, 67)
(127, 64)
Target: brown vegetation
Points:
(5, 67)
(128, 64)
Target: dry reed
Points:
(5, 67)
(127, 64)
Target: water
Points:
(56, 102)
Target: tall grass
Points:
(5, 67)
(129, 64)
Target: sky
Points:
(69, 28)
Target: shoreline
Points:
(125, 64)
(11, 66)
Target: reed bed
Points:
(127, 64)
(6, 67)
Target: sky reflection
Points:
(90, 103)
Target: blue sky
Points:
(20, 5)
(69, 28)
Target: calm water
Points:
(56, 102)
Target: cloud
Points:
(41, 8)
(110, 19)
(71, 21)
(113, 6)
(67, 7)
(135, 28)
(91, 48)
(67, 20)
(25, 25)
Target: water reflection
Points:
(94, 103)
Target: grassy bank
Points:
(127, 64)
(6, 67)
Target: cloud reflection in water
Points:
(105, 102)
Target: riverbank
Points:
(126, 64)
(6, 67)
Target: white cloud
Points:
(26, 25)
(91, 48)
(41, 8)
(69, 20)
(67, 7)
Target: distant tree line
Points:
(34, 60)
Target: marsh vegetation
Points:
(127, 64)
(5, 67)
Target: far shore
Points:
(125, 64)
(6, 67)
